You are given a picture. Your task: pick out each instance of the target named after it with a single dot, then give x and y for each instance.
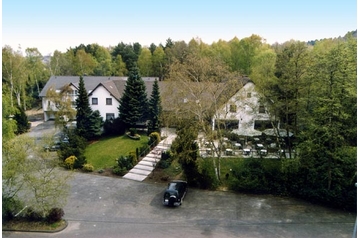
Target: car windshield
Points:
(173, 186)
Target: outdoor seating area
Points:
(259, 146)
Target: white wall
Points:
(247, 108)
(101, 94)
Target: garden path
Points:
(146, 166)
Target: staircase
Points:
(148, 163)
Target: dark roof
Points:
(92, 82)
(171, 91)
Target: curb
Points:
(39, 231)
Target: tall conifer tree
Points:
(134, 103)
(155, 109)
(84, 110)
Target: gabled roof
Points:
(91, 83)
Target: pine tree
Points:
(155, 109)
(84, 111)
(134, 102)
(96, 123)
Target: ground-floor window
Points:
(109, 116)
(227, 124)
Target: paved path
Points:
(146, 166)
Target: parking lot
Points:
(102, 206)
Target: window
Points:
(108, 101)
(232, 108)
(261, 109)
(94, 101)
(109, 116)
(248, 95)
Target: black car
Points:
(175, 193)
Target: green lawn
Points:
(103, 153)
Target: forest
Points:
(312, 84)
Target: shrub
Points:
(166, 160)
(75, 147)
(132, 131)
(125, 162)
(33, 215)
(144, 150)
(9, 206)
(55, 215)
(70, 162)
(88, 168)
(119, 171)
(154, 139)
(207, 176)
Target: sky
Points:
(50, 25)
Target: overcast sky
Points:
(51, 25)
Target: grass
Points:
(24, 225)
(103, 153)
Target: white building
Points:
(104, 93)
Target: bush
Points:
(55, 215)
(207, 175)
(154, 139)
(119, 171)
(144, 150)
(166, 160)
(88, 168)
(70, 162)
(125, 162)
(33, 215)
(10, 206)
(132, 131)
(75, 147)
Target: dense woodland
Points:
(312, 84)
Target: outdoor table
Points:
(229, 152)
(263, 152)
(246, 151)
(238, 145)
(260, 146)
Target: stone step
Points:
(140, 171)
(143, 167)
(136, 177)
(153, 155)
(150, 159)
(146, 163)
